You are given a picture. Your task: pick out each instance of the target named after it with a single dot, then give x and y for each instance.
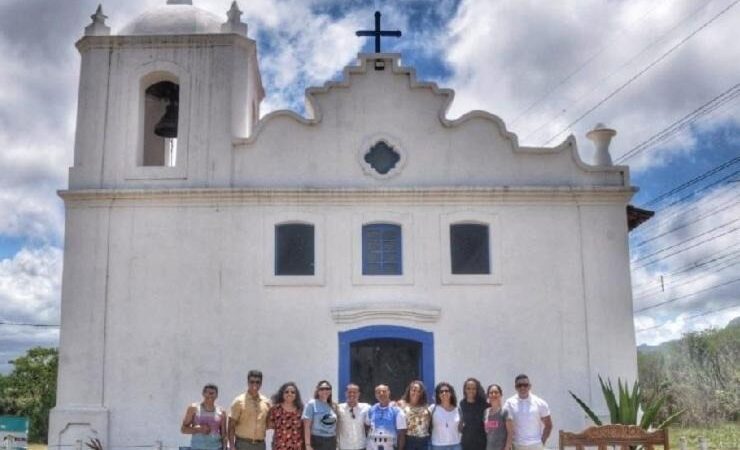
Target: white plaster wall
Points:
(187, 304)
(164, 282)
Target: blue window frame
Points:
(381, 249)
(294, 249)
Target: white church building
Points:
(373, 239)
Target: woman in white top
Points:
(446, 421)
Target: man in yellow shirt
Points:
(248, 416)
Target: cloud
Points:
(657, 332)
(30, 284)
(541, 66)
(692, 278)
(553, 60)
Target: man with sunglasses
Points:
(351, 432)
(530, 415)
(248, 416)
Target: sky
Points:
(663, 73)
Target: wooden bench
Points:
(622, 437)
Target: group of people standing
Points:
(479, 421)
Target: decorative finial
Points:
(234, 24)
(98, 26)
(602, 136)
(377, 32)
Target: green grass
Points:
(724, 437)
(37, 447)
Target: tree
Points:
(699, 373)
(30, 389)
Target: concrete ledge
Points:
(304, 196)
(414, 312)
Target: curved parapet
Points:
(382, 100)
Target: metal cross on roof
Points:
(377, 32)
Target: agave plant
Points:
(625, 403)
(94, 444)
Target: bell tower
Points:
(161, 101)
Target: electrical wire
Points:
(26, 324)
(681, 297)
(598, 84)
(720, 268)
(588, 61)
(705, 313)
(649, 263)
(642, 72)
(704, 233)
(695, 180)
(699, 263)
(702, 189)
(717, 210)
(663, 220)
(707, 108)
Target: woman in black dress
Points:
(473, 405)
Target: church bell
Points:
(167, 125)
(167, 93)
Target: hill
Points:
(700, 372)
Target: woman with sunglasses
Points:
(498, 428)
(414, 405)
(285, 418)
(446, 420)
(320, 419)
(472, 407)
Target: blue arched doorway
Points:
(404, 353)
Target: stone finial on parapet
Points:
(602, 136)
(234, 24)
(98, 26)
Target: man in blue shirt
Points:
(385, 422)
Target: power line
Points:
(588, 61)
(698, 264)
(686, 197)
(646, 293)
(696, 179)
(26, 324)
(704, 233)
(598, 84)
(680, 297)
(707, 108)
(682, 212)
(705, 313)
(642, 72)
(650, 263)
(686, 212)
(719, 209)
(678, 275)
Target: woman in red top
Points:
(285, 418)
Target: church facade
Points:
(372, 240)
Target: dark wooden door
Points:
(395, 362)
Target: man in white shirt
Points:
(351, 424)
(531, 416)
